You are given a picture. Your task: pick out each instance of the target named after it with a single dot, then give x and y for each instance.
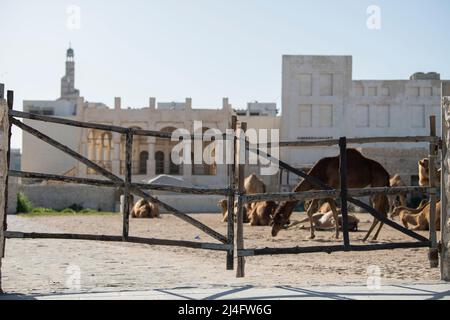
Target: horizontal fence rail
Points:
(325, 194)
(99, 126)
(331, 249)
(107, 238)
(113, 184)
(364, 140)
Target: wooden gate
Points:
(224, 242)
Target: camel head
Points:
(281, 216)
(424, 167)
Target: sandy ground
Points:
(49, 266)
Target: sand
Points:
(51, 266)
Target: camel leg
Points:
(372, 227)
(332, 204)
(375, 237)
(310, 213)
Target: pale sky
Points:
(209, 49)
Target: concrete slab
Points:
(434, 291)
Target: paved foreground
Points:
(435, 291)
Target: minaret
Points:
(68, 90)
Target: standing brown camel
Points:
(361, 172)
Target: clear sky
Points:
(209, 49)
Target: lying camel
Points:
(261, 213)
(223, 204)
(325, 221)
(144, 209)
(361, 172)
(424, 174)
(419, 218)
(252, 185)
(323, 217)
(396, 181)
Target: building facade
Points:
(320, 100)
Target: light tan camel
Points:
(144, 209)
(252, 185)
(324, 219)
(424, 174)
(396, 181)
(361, 172)
(223, 205)
(261, 213)
(419, 218)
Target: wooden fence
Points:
(344, 194)
(226, 242)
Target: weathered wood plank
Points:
(112, 184)
(323, 194)
(434, 252)
(108, 238)
(126, 189)
(364, 140)
(232, 187)
(343, 191)
(240, 272)
(331, 249)
(4, 146)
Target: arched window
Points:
(143, 157)
(159, 162)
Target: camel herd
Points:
(362, 172)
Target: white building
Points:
(322, 101)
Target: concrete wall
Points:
(13, 188)
(62, 196)
(38, 156)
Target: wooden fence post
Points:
(433, 254)
(445, 183)
(343, 178)
(126, 192)
(232, 187)
(240, 273)
(5, 137)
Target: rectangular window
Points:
(382, 116)
(426, 92)
(326, 116)
(372, 91)
(358, 91)
(385, 92)
(413, 91)
(418, 116)
(305, 84)
(362, 116)
(305, 114)
(326, 84)
(48, 112)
